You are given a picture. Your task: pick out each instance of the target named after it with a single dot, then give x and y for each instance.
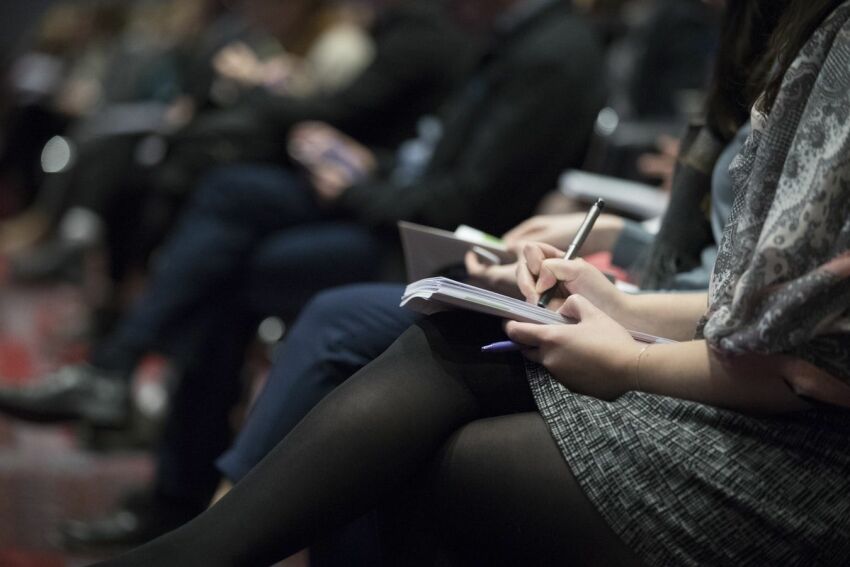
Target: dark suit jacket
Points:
(674, 51)
(419, 58)
(523, 115)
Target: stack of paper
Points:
(432, 295)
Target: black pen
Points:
(578, 240)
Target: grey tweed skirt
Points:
(683, 483)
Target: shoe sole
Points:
(103, 420)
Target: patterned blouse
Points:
(782, 281)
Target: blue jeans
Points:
(245, 219)
(338, 333)
(252, 242)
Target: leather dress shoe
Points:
(80, 392)
(139, 520)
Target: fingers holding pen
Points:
(536, 253)
(555, 271)
(531, 259)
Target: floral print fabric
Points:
(781, 283)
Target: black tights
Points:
(431, 422)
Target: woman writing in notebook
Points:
(731, 447)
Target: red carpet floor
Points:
(45, 474)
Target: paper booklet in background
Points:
(433, 295)
(638, 199)
(430, 251)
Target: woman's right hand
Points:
(542, 266)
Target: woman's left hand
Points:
(595, 356)
(500, 278)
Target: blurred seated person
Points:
(55, 80)
(658, 66)
(418, 57)
(134, 81)
(496, 147)
(162, 52)
(341, 330)
(663, 63)
(573, 451)
(332, 50)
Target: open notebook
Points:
(433, 295)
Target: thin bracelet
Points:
(637, 366)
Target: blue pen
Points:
(503, 346)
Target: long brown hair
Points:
(759, 41)
(745, 36)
